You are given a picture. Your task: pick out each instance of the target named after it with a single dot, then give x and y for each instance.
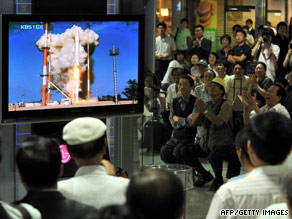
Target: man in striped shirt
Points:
(269, 143)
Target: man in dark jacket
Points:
(39, 164)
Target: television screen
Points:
(61, 67)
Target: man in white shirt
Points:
(92, 185)
(275, 96)
(267, 52)
(164, 48)
(269, 143)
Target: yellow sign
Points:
(207, 13)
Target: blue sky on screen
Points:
(26, 60)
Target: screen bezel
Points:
(32, 116)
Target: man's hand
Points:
(110, 169)
(175, 118)
(196, 43)
(190, 116)
(201, 106)
(252, 79)
(248, 100)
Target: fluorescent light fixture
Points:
(164, 12)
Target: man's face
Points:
(214, 89)
(184, 87)
(180, 57)
(194, 59)
(212, 59)
(248, 24)
(260, 71)
(220, 68)
(199, 32)
(202, 68)
(282, 30)
(271, 96)
(238, 71)
(239, 37)
(184, 24)
(161, 30)
(148, 81)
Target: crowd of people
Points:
(234, 104)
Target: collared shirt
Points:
(15, 213)
(164, 46)
(279, 207)
(243, 49)
(182, 122)
(277, 108)
(91, 185)
(259, 189)
(271, 64)
(234, 87)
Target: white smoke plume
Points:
(62, 48)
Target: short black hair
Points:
(225, 36)
(87, 150)
(241, 143)
(281, 92)
(211, 71)
(161, 24)
(282, 81)
(270, 134)
(221, 61)
(245, 27)
(241, 31)
(155, 194)
(178, 52)
(237, 63)
(235, 27)
(214, 54)
(187, 77)
(199, 26)
(281, 23)
(184, 20)
(263, 64)
(39, 161)
(175, 69)
(249, 21)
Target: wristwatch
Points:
(205, 112)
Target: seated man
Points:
(39, 164)
(269, 143)
(86, 139)
(180, 118)
(215, 117)
(275, 96)
(155, 194)
(172, 90)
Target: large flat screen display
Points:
(61, 67)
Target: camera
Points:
(290, 45)
(267, 32)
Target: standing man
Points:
(164, 48)
(182, 35)
(200, 45)
(249, 23)
(92, 184)
(241, 52)
(282, 41)
(267, 52)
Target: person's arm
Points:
(273, 53)
(256, 47)
(205, 49)
(287, 58)
(179, 122)
(239, 58)
(254, 83)
(230, 58)
(217, 207)
(249, 101)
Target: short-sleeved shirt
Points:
(164, 46)
(172, 93)
(239, 50)
(271, 65)
(277, 108)
(201, 92)
(181, 38)
(172, 64)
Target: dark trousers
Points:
(172, 150)
(224, 152)
(161, 68)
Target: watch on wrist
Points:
(205, 112)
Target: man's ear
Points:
(61, 170)
(104, 146)
(249, 148)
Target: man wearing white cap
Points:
(92, 185)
